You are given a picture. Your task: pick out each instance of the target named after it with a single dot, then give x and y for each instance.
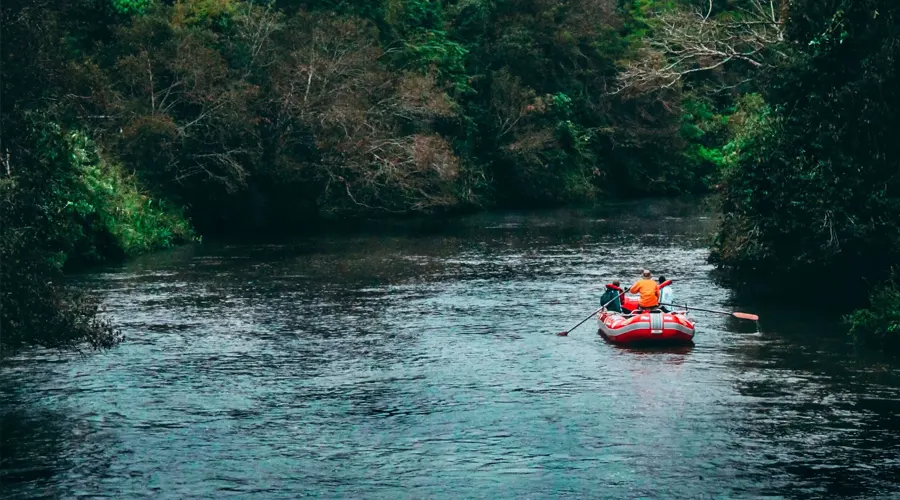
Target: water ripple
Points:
(425, 365)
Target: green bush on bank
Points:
(879, 324)
(114, 216)
(35, 307)
(62, 203)
(812, 189)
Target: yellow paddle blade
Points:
(751, 317)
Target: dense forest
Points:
(134, 125)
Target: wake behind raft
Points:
(645, 327)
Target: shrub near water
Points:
(62, 203)
(814, 189)
(36, 234)
(35, 308)
(879, 325)
(117, 218)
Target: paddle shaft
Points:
(591, 316)
(736, 314)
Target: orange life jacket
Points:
(649, 291)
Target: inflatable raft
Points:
(646, 327)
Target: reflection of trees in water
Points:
(31, 449)
(671, 354)
(41, 447)
(827, 423)
(516, 245)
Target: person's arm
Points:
(634, 288)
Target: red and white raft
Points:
(646, 327)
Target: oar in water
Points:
(566, 333)
(741, 315)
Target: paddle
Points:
(566, 333)
(741, 315)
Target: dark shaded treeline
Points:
(812, 200)
(254, 114)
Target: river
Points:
(419, 360)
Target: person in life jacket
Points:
(648, 290)
(666, 294)
(613, 295)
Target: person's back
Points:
(648, 290)
(666, 293)
(611, 297)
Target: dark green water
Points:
(421, 362)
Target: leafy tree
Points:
(813, 188)
(879, 324)
(130, 6)
(36, 233)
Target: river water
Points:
(419, 360)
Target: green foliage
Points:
(561, 104)
(110, 206)
(705, 132)
(35, 237)
(552, 172)
(414, 15)
(640, 17)
(427, 47)
(92, 210)
(247, 112)
(206, 13)
(430, 51)
(879, 324)
(811, 185)
(130, 6)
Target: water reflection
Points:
(678, 353)
(418, 359)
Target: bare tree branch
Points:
(685, 42)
